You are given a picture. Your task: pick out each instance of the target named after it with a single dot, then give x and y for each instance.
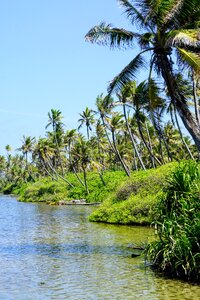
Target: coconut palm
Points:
(104, 105)
(167, 28)
(87, 118)
(55, 120)
(27, 147)
(81, 154)
(69, 139)
(115, 124)
(124, 96)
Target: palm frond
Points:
(189, 14)
(184, 37)
(174, 8)
(106, 34)
(189, 59)
(155, 101)
(132, 13)
(145, 40)
(128, 73)
(145, 6)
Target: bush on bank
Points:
(51, 192)
(176, 252)
(134, 200)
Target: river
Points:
(53, 252)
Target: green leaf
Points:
(127, 74)
(105, 34)
(190, 59)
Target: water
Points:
(51, 252)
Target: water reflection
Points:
(54, 253)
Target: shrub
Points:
(177, 250)
(135, 199)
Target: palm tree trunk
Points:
(111, 146)
(196, 104)
(179, 100)
(47, 171)
(146, 144)
(85, 179)
(54, 170)
(150, 143)
(181, 135)
(77, 176)
(132, 139)
(119, 156)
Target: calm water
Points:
(49, 252)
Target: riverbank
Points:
(124, 200)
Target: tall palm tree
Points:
(124, 96)
(104, 105)
(55, 120)
(167, 28)
(69, 139)
(81, 153)
(115, 124)
(27, 147)
(87, 118)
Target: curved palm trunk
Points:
(85, 178)
(119, 156)
(57, 174)
(77, 176)
(150, 143)
(162, 138)
(59, 157)
(179, 101)
(146, 144)
(104, 124)
(47, 171)
(181, 135)
(132, 139)
(196, 104)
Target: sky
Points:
(46, 63)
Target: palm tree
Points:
(69, 139)
(115, 124)
(167, 28)
(124, 96)
(82, 155)
(55, 117)
(139, 100)
(104, 105)
(87, 118)
(27, 147)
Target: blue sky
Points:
(46, 63)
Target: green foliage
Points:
(43, 191)
(50, 191)
(176, 252)
(135, 199)
(9, 188)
